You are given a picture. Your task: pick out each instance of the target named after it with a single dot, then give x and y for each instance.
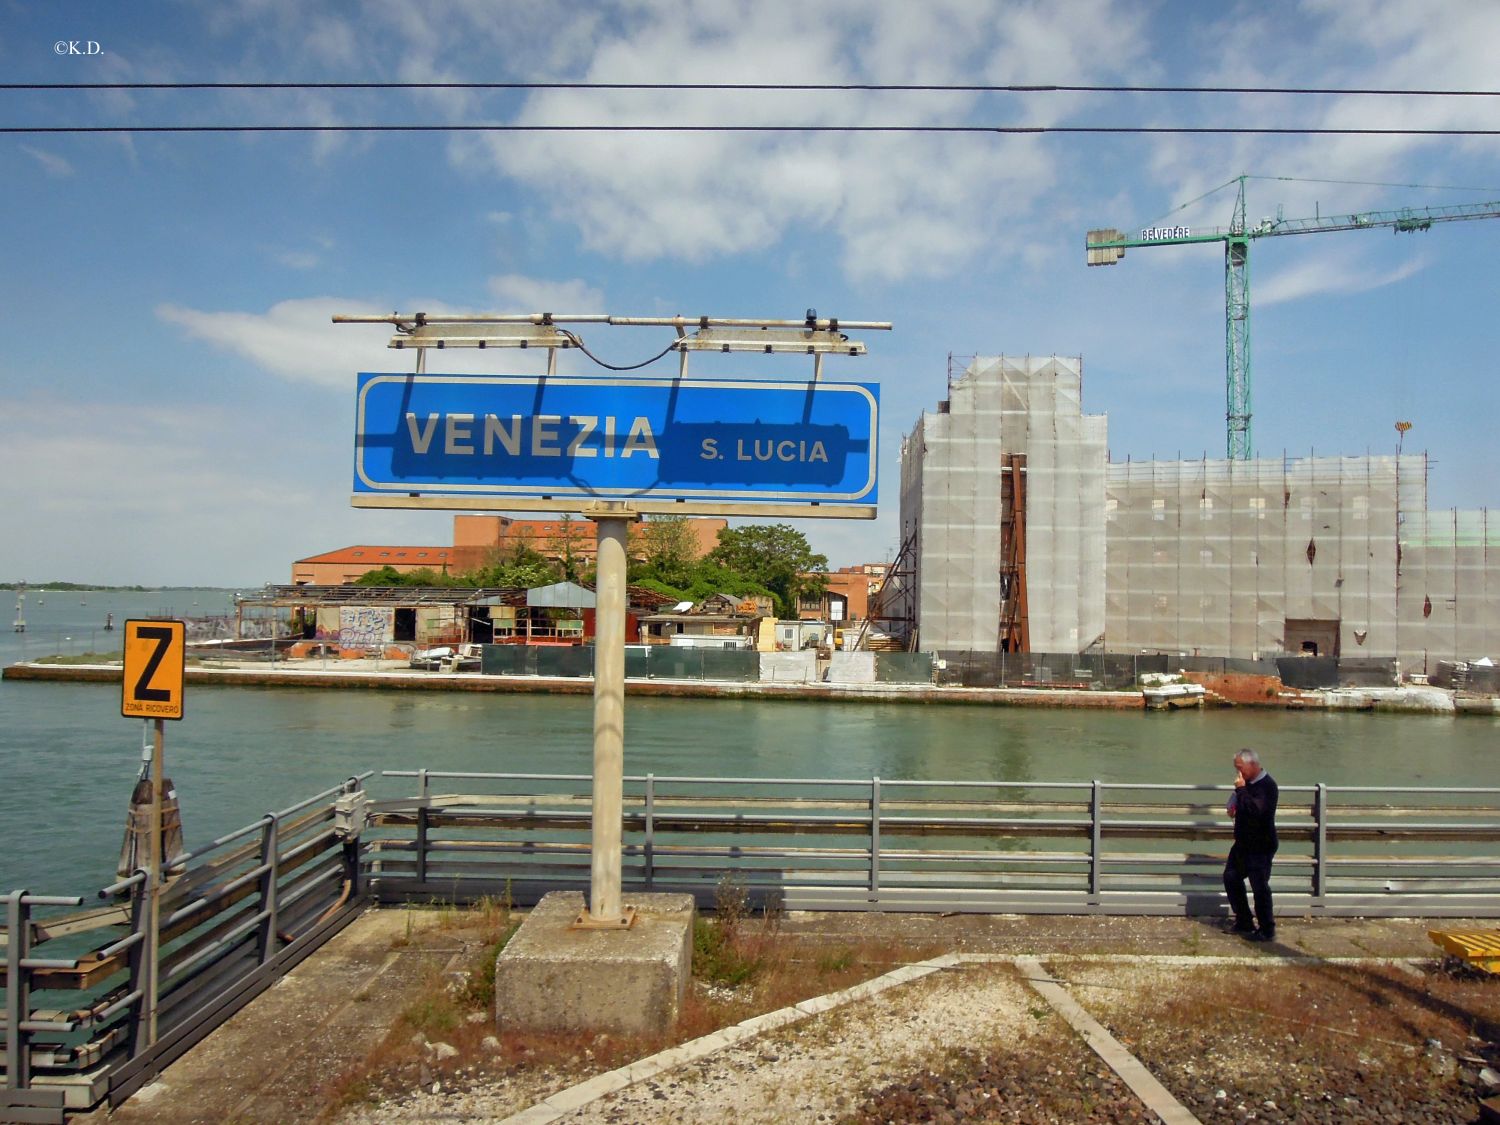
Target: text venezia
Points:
(543, 435)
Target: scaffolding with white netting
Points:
(1024, 538)
(1260, 558)
(953, 505)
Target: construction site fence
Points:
(673, 662)
(1123, 671)
(239, 912)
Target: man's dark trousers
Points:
(1255, 866)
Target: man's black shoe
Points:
(1243, 928)
(1262, 935)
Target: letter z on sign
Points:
(154, 658)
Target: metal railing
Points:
(1023, 847)
(113, 999)
(249, 905)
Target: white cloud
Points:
(51, 163)
(1329, 274)
(519, 294)
(898, 204)
(297, 340)
(96, 494)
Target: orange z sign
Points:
(154, 659)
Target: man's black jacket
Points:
(1255, 815)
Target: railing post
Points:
(874, 839)
(1320, 843)
(17, 992)
(269, 860)
(143, 965)
(650, 847)
(1095, 859)
(422, 844)
(422, 795)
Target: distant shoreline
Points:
(88, 588)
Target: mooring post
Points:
(874, 838)
(609, 720)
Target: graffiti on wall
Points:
(365, 627)
(328, 623)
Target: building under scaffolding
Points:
(987, 575)
(1023, 538)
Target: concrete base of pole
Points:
(552, 976)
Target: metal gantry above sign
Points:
(618, 443)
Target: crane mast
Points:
(1107, 246)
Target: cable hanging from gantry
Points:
(579, 344)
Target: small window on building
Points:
(401, 554)
(1305, 503)
(1158, 509)
(1110, 504)
(421, 554)
(1361, 507)
(357, 554)
(1258, 506)
(1161, 601)
(1206, 602)
(1254, 558)
(1206, 556)
(385, 554)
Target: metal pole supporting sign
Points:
(605, 910)
(151, 688)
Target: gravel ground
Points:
(1305, 1043)
(1282, 1043)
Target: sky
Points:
(177, 408)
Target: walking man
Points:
(1252, 807)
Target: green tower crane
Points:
(1105, 247)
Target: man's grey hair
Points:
(1248, 755)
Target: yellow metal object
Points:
(1480, 948)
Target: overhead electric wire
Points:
(802, 87)
(1206, 130)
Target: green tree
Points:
(669, 552)
(519, 567)
(775, 556)
(389, 576)
(571, 557)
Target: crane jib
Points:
(1107, 246)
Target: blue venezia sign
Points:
(529, 438)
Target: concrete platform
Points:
(552, 977)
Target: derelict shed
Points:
(352, 616)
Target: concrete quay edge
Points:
(400, 680)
